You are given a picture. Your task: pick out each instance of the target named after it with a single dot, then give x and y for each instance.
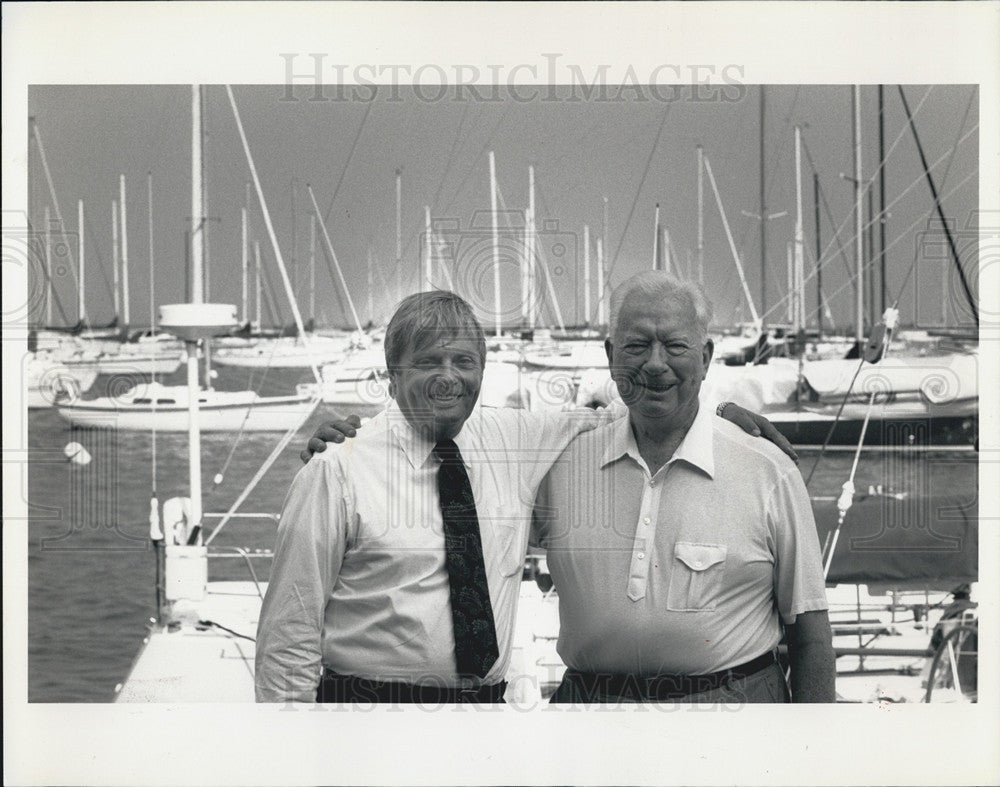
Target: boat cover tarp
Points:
(917, 541)
(941, 379)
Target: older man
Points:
(679, 545)
(399, 555)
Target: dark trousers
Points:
(336, 688)
(763, 686)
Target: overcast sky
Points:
(637, 152)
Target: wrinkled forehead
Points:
(645, 311)
(443, 337)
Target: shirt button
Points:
(641, 555)
(645, 521)
(697, 564)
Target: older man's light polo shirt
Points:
(359, 582)
(685, 571)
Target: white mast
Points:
(790, 283)
(114, 258)
(312, 267)
(257, 284)
(586, 274)
(666, 253)
(858, 220)
(399, 234)
(656, 238)
(152, 280)
(701, 218)
(526, 272)
(197, 297)
(799, 238)
(124, 237)
(244, 261)
(601, 301)
(532, 273)
(496, 242)
(80, 308)
(197, 224)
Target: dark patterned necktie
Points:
(471, 612)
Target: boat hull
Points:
(278, 415)
(888, 427)
(126, 364)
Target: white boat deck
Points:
(184, 661)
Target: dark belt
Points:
(664, 687)
(334, 687)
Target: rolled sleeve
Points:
(311, 539)
(799, 585)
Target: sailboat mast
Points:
(152, 281)
(197, 297)
(800, 322)
(312, 268)
(763, 205)
(790, 282)
(496, 242)
(124, 239)
(819, 259)
(526, 271)
(244, 262)
(656, 238)
(586, 275)
(532, 271)
(601, 304)
(80, 307)
(859, 329)
(257, 282)
(701, 218)
(115, 284)
(197, 223)
(881, 194)
(399, 234)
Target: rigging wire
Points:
(848, 217)
(347, 163)
(902, 236)
(847, 494)
(944, 178)
(270, 460)
(899, 197)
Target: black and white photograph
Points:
(391, 380)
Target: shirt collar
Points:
(415, 446)
(695, 448)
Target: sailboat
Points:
(153, 405)
(49, 382)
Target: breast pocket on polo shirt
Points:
(695, 576)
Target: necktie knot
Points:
(447, 451)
